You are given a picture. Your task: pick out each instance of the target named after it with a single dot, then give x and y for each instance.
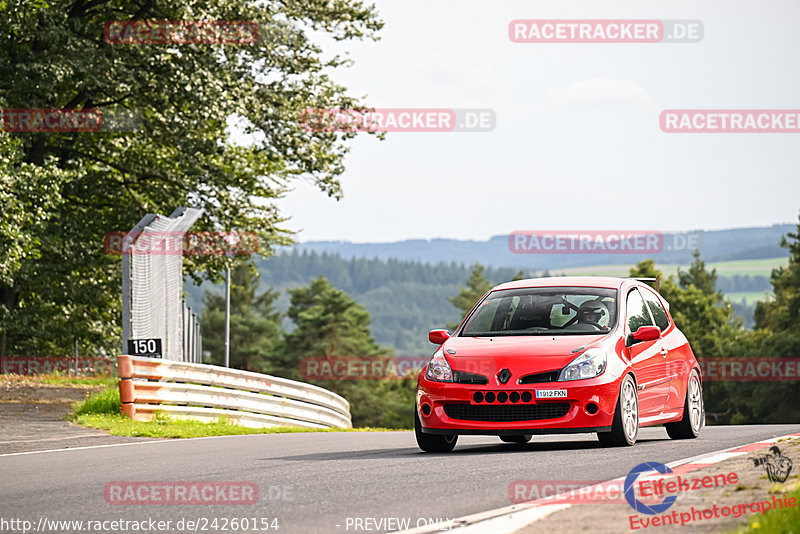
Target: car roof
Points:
(609, 282)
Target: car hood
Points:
(522, 355)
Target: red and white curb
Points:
(510, 519)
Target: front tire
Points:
(433, 442)
(693, 412)
(625, 426)
(516, 439)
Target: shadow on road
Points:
(460, 450)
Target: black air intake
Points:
(540, 378)
(460, 377)
(507, 412)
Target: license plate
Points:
(551, 393)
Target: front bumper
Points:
(588, 407)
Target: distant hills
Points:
(714, 245)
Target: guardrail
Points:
(208, 392)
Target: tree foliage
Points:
(329, 323)
(777, 335)
(56, 283)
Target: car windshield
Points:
(544, 311)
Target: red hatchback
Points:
(560, 355)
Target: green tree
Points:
(698, 276)
(182, 100)
(777, 335)
(329, 323)
(27, 193)
(477, 286)
(254, 324)
(382, 403)
(781, 315)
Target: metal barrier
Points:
(208, 392)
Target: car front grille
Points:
(504, 413)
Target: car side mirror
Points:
(437, 337)
(645, 333)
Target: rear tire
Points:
(625, 426)
(693, 412)
(433, 442)
(516, 439)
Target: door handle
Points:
(663, 352)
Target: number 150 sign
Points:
(145, 347)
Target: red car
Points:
(560, 355)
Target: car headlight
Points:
(588, 365)
(438, 368)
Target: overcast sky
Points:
(577, 143)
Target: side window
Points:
(659, 314)
(636, 313)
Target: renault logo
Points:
(503, 376)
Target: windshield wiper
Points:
(551, 333)
(506, 333)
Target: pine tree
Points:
(698, 276)
(781, 315)
(255, 324)
(328, 323)
(477, 286)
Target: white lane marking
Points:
(155, 440)
(171, 440)
(76, 436)
(86, 447)
(715, 458)
(510, 523)
(495, 521)
(143, 442)
(510, 519)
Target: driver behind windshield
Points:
(594, 313)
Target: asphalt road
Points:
(315, 482)
(30, 426)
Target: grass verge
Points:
(778, 521)
(102, 411)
